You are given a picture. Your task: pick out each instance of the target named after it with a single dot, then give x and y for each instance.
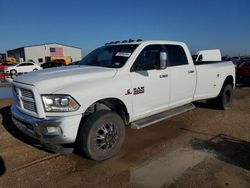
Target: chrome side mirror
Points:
(163, 60)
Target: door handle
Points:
(191, 71)
(164, 76)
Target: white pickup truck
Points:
(87, 106)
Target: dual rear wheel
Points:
(224, 99)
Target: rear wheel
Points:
(35, 69)
(102, 135)
(225, 98)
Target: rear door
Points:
(183, 76)
(150, 86)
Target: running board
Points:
(139, 124)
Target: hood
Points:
(50, 80)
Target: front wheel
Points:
(13, 72)
(102, 135)
(35, 69)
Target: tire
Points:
(13, 76)
(35, 69)
(13, 72)
(102, 135)
(225, 98)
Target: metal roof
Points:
(28, 46)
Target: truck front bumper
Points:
(52, 132)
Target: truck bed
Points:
(210, 78)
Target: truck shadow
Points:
(2, 166)
(228, 149)
(204, 104)
(14, 131)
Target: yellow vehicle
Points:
(64, 59)
(10, 59)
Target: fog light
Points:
(53, 130)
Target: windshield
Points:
(114, 56)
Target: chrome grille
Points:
(26, 93)
(25, 99)
(31, 106)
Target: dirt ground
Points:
(202, 148)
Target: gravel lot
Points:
(202, 148)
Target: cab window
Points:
(176, 55)
(148, 59)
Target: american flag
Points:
(57, 51)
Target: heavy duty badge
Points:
(138, 90)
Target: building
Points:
(43, 52)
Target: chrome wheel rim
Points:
(106, 137)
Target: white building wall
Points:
(36, 52)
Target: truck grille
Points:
(24, 99)
(31, 106)
(27, 93)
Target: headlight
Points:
(59, 103)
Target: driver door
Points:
(21, 67)
(150, 85)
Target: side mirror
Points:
(163, 60)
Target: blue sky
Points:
(223, 24)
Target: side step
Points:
(139, 124)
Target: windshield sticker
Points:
(123, 54)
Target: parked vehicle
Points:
(22, 68)
(207, 55)
(63, 59)
(225, 58)
(243, 73)
(75, 63)
(240, 60)
(11, 60)
(4, 65)
(52, 64)
(237, 60)
(2, 76)
(119, 84)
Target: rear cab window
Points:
(176, 55)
